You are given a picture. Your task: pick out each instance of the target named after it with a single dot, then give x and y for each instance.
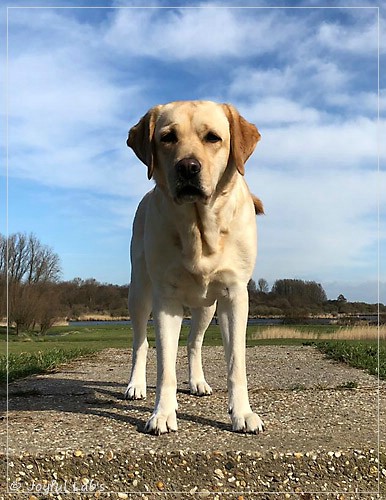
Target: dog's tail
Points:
(258, 204)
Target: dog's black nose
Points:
(188, 168)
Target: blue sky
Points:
(78, 79)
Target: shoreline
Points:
(327, 319)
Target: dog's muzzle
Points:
(188, 181)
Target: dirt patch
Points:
(72, 428)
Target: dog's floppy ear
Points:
(244, 137)
(141, 139)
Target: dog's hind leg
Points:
(140, 304)
(140, 309)
(201, 318)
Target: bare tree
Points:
(263, 285)
(251, 286)
(3, 277)
(23, 302)
(29, 268)
(26, 260)
(48, 305)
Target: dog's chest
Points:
(196, 290)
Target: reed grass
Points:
(344, 333)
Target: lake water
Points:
(186, 322)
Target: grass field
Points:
(33, 354)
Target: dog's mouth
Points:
(190, 194)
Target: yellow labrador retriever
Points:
(193, 244)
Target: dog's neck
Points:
(202, 231)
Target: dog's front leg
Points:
(233, 315)
(167, 316)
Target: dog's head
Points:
(189, 145)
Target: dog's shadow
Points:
(100, 398)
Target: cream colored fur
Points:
(193, 248)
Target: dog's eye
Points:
(211, 137)
(169, 137)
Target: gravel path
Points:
(71, 431)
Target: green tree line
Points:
(297, 299)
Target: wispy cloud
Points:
(358, 39)
(330, 221)
(201, 33)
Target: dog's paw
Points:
(248, 422)
(161, 424)
(200, 388)
(135, 391)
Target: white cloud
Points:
(308, 79)
(278, 110)
(322, 146)
(205, 33)
(69, 115)
(365, 103)
(325, 75)
(357, 39)
(314, 224)
(250, 82)
(45, 88)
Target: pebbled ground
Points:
(73, 429)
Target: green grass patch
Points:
(350, 384)
(30, 354)
(23, 364)
(358, 354)
(94, 338)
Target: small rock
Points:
(78, 453)
(160, 485)
(123, 495)
(219, 473)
